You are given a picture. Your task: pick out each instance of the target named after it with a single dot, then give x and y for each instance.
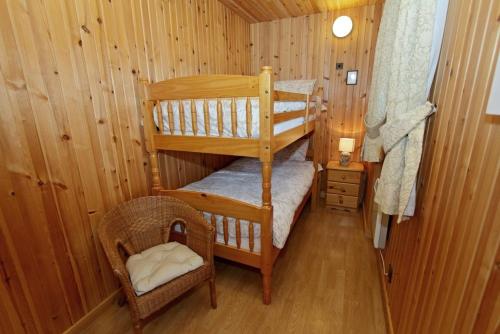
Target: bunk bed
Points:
(234, 115)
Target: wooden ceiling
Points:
(267, 10)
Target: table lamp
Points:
(346, 147)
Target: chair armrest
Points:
(200, 238)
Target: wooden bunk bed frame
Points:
(264, 147)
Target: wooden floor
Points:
(325, 282)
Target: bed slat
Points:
(249, 117)
(182, 117)
(250, 236)
(213, 222)
(206, 116)
(307, 115)
(234, 119)
(287, 96)
(238, 234)
(226, 230)
(170, 113)
(194, 119)
(160, 116)
(286, 116)
(220, 124)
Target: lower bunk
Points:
(247, 232)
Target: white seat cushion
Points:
(160, 264)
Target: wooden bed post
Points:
(266, 88)
(149, 131)
(317, 148)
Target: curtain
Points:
(406, 58)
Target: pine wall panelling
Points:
(445, 261)
(71, 144)
(305, 48)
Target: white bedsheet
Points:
(242, 180)
(279, 107)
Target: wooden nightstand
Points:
(345, 185)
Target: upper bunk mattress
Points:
(241, 119)
(242, 180)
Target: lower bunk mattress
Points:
(242, 180)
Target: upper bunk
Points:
(229, 114)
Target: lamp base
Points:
(345, 159)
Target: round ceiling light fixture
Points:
(342, 26)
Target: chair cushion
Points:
(160, 264)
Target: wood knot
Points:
(99, 20)
(60, 185)
(84, 28)
(80, 43)
(12, 193)
(100, 121)
(65, 137)
(40, 183)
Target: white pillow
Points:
(160, 264)
(295, 151)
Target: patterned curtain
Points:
(405, 62)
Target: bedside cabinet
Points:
(344, 186)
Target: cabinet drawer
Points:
(350, 189)
(341, 200)
(344, 176)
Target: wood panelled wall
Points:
(445, 261)
(71, 144)
(305, 48)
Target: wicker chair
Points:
(146, 222)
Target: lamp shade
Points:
(346, 145)
(342, 26)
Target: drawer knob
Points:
(337, 188)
